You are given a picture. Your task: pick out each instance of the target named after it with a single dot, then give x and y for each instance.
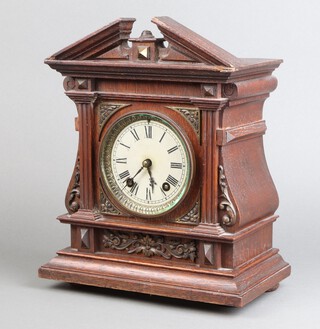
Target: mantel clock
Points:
(170, 193)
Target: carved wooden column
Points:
(80, 91)
(209, 108)
(209, 252)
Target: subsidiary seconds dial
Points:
(146, 164)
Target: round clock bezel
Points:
(107, 143)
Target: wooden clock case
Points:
(216, 245)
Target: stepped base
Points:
(218, 287)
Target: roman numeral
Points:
(162, 137)
(148, 131)
(176, 165)
(134, 189)
(148, 193)
(134, 134)
(172, 149)
(171, 180)
(124, 174)
(121, 160)
(128, 147)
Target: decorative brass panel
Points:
(192, 115)
(105, 110)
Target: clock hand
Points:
(129, 181)
(152, 181)
(147, 164)
(138, 172)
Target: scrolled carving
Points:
(106, 206)
(229, 218)
(192, 217)
(228, 89)
(150, 245)
(69, 83)
(73, 193)
(192, 115)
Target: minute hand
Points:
(152, 182)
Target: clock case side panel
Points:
(162, 110)
(240, 137)
(72, 198)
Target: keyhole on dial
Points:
(130, 182)
(166, 186)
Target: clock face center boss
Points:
(146, 164)
(170, 193)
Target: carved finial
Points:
(146, 34)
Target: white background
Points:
(38, 147)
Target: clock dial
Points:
(145, 164)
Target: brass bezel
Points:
(108, 179)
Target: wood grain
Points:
(215, 100)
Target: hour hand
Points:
(138, 172)
(130, 181)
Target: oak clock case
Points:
(170, 193)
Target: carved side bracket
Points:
(150, 245)
(249, 88)
(225, 205)
(72, 200)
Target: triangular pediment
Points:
(99, 43)
(111, 49)
(195, 46)
(111, 43)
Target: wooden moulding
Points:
(213, 232)
(208, 288)
(228, 135)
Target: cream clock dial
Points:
(145, 164)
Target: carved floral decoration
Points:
(149, 245)
(106, 206)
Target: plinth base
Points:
(215, 288)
